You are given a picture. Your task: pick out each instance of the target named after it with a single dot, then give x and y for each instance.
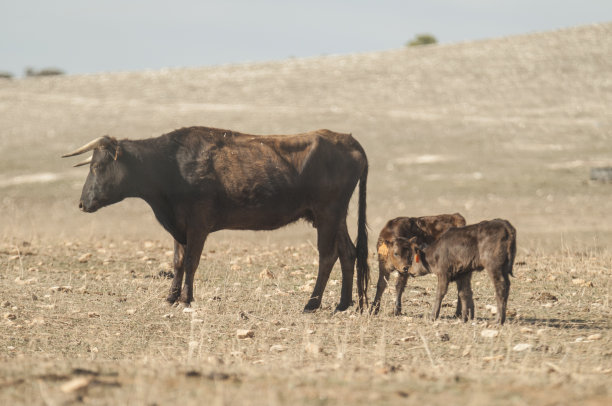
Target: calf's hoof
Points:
(185, 299)
(172, 297)
(397, 311)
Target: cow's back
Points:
(490, 243)
(265, 182)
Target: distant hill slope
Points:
(493, 128)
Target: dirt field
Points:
(499, 128)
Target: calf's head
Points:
(107, 174)
(409, 256)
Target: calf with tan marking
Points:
(427, 228)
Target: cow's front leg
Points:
(175, 287)
(193, 251)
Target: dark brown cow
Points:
(199, 180)
(489, 245)
(427, 229)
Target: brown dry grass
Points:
(500, 128)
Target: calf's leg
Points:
(441, 291)
(383, 280)
(458, 311)
(465, 301)
(501, 282)
(177, 281)
(400, 285)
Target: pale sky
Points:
(87, 36)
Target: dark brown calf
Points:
(489, 245)
(426, 229)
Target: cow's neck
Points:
(153, 177)
(427, 253)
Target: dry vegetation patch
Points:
(99, 331)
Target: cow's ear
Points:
(112, 146)
(118, 152)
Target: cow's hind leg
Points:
(177, 281)
(193, 251)
(328, 254)
(347, 254)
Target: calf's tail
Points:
(363, 269)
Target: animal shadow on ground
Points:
(564, 324)
(578, 324)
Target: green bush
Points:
(422, 39)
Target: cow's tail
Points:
(511, 247)
(363, 269)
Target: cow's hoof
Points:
(172, 298)
(375, 308)
(342, 307)
(311, 308)
(397, 312)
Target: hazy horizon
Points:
(85, 37)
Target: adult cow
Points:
(199, 180)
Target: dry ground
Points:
(499, 128)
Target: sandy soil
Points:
(498, 128)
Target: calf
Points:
(489, 245)
(426, 229)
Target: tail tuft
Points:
(363, 269)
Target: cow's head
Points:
(107, 174)
(408, 256)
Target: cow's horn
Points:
(87, 147)
(85, 162)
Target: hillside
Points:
(496, 128)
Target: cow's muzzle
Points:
(87, 209)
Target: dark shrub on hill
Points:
(30, 72)
(422, 39)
